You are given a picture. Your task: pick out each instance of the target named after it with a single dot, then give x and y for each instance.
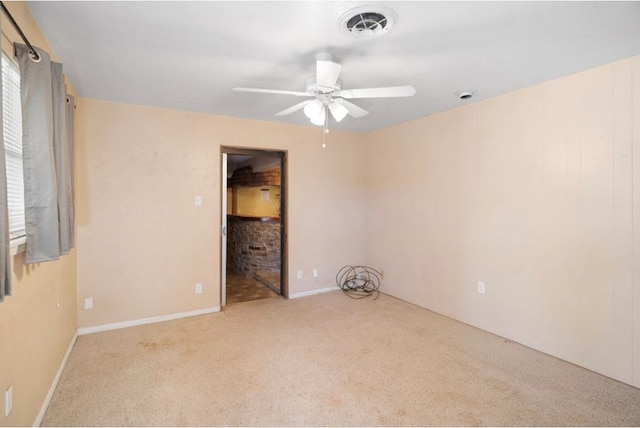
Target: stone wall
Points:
(253, 245)
(243, 177)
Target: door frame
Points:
(282, 155)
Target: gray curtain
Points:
(5, 261)
(61, 156)
(71, 111)
(40, 183)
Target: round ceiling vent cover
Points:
(367, 21)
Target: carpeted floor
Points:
(327, 360)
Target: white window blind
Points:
(12, 115)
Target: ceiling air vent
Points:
(366, 22)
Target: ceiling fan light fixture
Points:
(313, 109)
(319, 118)
(338, 111)
(366, 22)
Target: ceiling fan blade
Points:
(327, 73)
(353, 109)
(294, 108)
(273, 91)
(388, 92)
(338, 111)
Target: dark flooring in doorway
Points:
(245, 287)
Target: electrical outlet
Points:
(299, 276)
(480, 287)
(198, 288)
(198, 200)
(88, 303)
(8, 400)
(315, 272)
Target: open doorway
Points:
(253, 244)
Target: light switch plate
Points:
(481, 287)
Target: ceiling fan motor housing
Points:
(313, 88)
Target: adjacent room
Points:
(252, 227)
(184, 181)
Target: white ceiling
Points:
(188, 55)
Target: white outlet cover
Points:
(198, 288)
(299, 274)
(315, 273)
(88, 303)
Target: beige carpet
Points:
(327, 360)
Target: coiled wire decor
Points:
(359, 282)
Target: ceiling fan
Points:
(328, 95)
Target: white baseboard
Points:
(132, 323)
(54, 385)
(312, 292)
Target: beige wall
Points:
(144, 242)
(38, 322)
(533, 194)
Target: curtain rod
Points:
(32, 52)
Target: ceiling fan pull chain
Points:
(326, 120)
(325, 129)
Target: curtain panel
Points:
(71, 156)
(46, 162)
(5, 260)
(61, 155)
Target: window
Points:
(12, 114)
